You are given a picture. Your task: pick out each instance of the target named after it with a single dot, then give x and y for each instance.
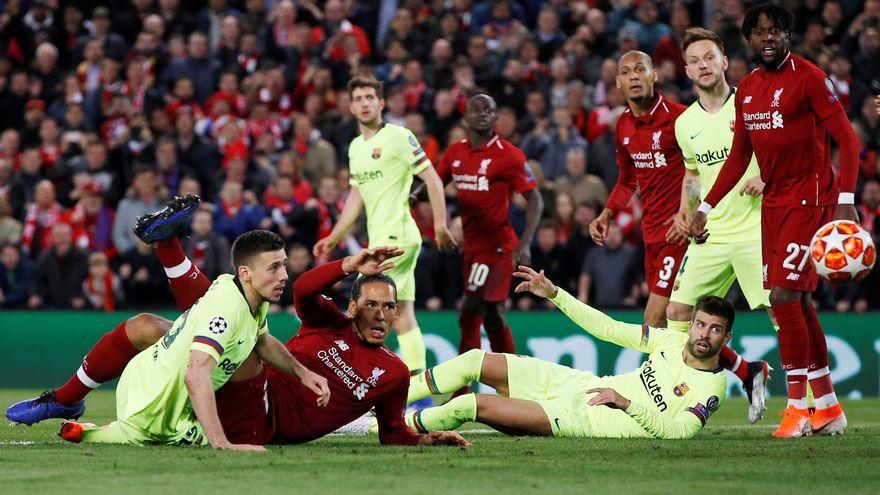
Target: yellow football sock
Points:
(412, 346)
(447, 377)
(449, 416)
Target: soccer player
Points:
(786, 109)
(671, 395)
(487, 170)
(166, 392)
(649, 159)
(733, 252)
(383, 160)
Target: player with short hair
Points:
(671, 395)
(487, 170)
(165, 393)
(704, 132)
(786, 110)
(383, 160)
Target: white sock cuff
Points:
(798, 403)
(179, 270)
(84, 378)
(819, 373)
(739, 360)
(797, 372)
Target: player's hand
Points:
(370, 261)
(324, 246)
(679, 228)
(317, 384)
(877, 104)
(752, 187)
(522, 255)
(535, 282)
(599, 228)
(846, 212)
(444, 239)
(243, 447)
(608, 397)
(444, 438)
(698, 227)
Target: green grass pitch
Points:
(729, 456)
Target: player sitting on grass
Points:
(259, 404)
(166, 392)
(671, 395)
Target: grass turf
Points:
(729, 456)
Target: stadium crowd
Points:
(107, 112)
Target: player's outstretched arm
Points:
(350, 213)
(201, 394)
(590, 319)
(438, 207)
(272, 351)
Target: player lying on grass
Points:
(259, 404)
(166, 393)
(671, 395)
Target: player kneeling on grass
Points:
(671, 395)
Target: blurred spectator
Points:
(91, 220)
(549, 145)
(40, 219)
(60, 273)
(16, 277)
(416, 123)
(299, 261)
(318, 156)
(232, 215)
(669, 46)
(869, 210)
(552, 257)
(10, 228)
(198, 66)
(581, 186)
(206, 249)
(102, 287)
(141, 199)
(143, 277)
(614, 266)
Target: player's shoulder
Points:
(665, 338)
(808, 70)
(694, 112)
(510, 150)
(395, 131)
(673, 108)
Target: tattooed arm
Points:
(690, 200)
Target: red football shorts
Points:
(662, 261)
(243, 408)
(487, 275)
(786, 232)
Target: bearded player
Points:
(258, 405)
(651, 161)
(487, 170)
(733, 252)
(671, 395)
(383, 160)
(786, 110)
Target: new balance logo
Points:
(747, 99)
(793, 277)
(342, 345)
(456, 163)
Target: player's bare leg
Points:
(655, 310)
(754, 376)
(513, 416)
(500, 338)
(794, 347)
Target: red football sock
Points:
(797, 388)
(794, 349)
(501, 340)
(188, 283)
(470, 331)
(732, 361)
(818, 346)
(823, 389)
(105, 361)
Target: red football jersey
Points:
(486, 178)
(779, 117)
(360, 377)
(649, 158)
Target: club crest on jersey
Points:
(374, 375)
(776, 95)
(377, 152)
(412, 141)
(217, 325)
(656, 137)
(342, 345)
(484, 166)
(732, 124)
(681, 389)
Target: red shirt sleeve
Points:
(444, 167)
(823, 100)
(518, 174)
(312, 307)
(389, 414)
(626, 178)
(737, 161)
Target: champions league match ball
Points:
(842, 252)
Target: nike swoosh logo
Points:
(695, 135)
(240, 342)
(557, 423)
(663, 354)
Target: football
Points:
(842, 252)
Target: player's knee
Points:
(779, 295)
(679, 312)
(145, 329)
(493, 315)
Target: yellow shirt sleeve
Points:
(690, 161)
(602, 326)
